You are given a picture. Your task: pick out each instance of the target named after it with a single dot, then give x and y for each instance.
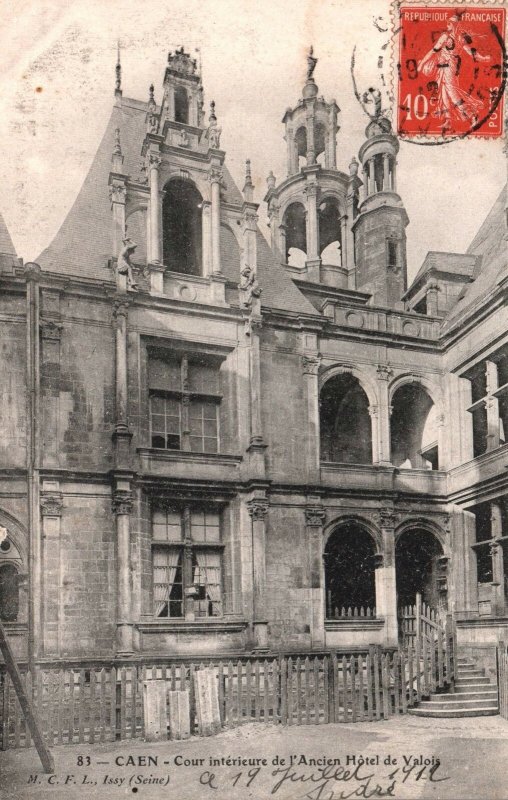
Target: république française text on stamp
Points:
(451, 70)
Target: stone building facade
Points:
(213, 445)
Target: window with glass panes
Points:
(489, 402)
(184, 403)
(187, 554)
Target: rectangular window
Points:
(184, 404)
(392, 254)
(187, 562)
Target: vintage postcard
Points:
(253, 400)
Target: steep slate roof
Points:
(6, 245)
(8, 255)
(83, 244)
(489, 243)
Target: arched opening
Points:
(9, 593)
(320, 141)
(346, 432)
(413, 429)
(296, 235)
(417, 570)
(182, 231)
(349, 572)
(329, 232)
(301, 145)
(181, 105)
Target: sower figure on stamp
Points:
(442, 64)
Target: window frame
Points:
(186, 399)
(192, 599)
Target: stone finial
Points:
(353, 167)
(118, 74)
(248, 187)
(151, 97)
(271, 180)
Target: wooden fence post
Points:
(332, 666)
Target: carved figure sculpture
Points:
(124, 266)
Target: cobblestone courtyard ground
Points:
(473, 754)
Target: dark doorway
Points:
(416, 567)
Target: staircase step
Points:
(469, 670)
(460, 697)
(475, 687)
(448, 713)
(462, 704)
(478, 679)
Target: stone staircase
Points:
(474, 696)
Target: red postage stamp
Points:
(451, 71)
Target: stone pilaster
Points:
(122, 507)
(497, 555)
(311, 192)
(121, 434)
(386, 588)
(216, 179)
(310, 369)
(153, 164)
(206, 222)
(315, 517)
(384, 374)
(258, 510)
(51, 512)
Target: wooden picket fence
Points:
(99, 705)
(420, 620)
(502, 678)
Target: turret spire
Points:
(118, 73)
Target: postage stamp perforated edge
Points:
(393, 75)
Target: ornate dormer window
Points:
(182, 227)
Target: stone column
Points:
(432, 299)
(154, 162)
(374, 421)
(394, 174)
(386, 587)
(258, 509)
(372, 176)
(216, 180)
(122, 507)
(310, 367)
(291, 150)
(51, 512)
(384, 374)
(496, 551)
(314, 520)
(117, 195)
(386, 172)
(120, 313)
(311, 191)
(311, 145)
(206, 223)
(492, 407)
(257, 446)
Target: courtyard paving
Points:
(404, 757)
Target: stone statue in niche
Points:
(183, 139)
(124, 266)
(249, 286)
(214, 137)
